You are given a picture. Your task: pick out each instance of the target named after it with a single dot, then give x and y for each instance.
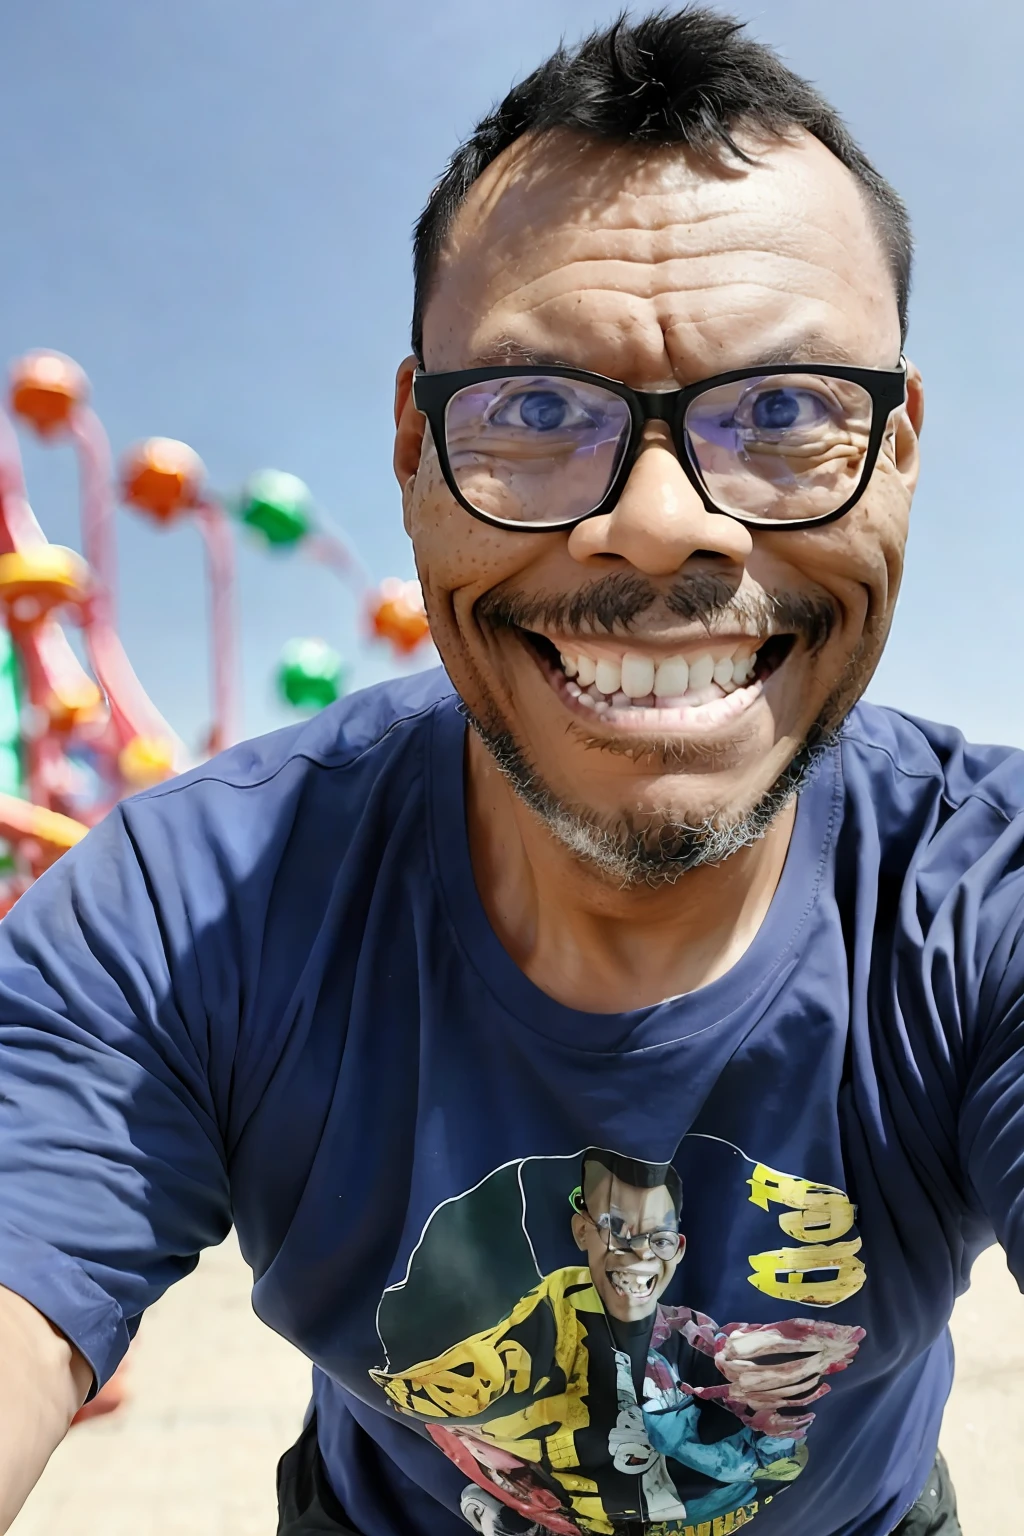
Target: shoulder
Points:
(939, 822)
(329, 764)
(286, 815)
(385, 716)
(929, 796)
(912, 759)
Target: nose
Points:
(659, 521)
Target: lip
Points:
(684, 643)
(647, 1277)
(690, 720)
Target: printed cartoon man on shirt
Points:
(590, 1407)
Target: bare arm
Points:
(43, 1383)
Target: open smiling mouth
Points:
(634, 1284)
(698, 689)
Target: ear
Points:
(908, 425)
(915, 397)
(579, 1227)
(409, 429)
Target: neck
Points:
(592, 946)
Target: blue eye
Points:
(542, 410)
(776, 410)
(780, 410)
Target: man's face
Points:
(629, 1284)
(658, 270)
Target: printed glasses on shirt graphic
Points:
(664, 1242)
(545, 448)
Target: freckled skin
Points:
(657, 269)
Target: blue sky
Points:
(209, 204)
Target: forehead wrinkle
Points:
(620, 341)
(628, 277)
(653, 231)
(668, 276)
(655, 239)
(528, 191)
(659, 234)
(541, 174)
(554, 197)
(765, 296)
(652, 266)
(651, 348)
(673, 348)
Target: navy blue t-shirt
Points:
(675, 1270)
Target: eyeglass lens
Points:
(536, 450)
(545, 449)
(664, 1244)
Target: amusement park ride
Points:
(75, 740)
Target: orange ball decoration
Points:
(398, 615)
(162, 478)
(46, 389)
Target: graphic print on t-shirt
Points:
(588, 1397)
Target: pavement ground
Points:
(216, 1397)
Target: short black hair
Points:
(689, 77)
(635, 1172)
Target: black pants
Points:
(306, 1502)
(308, 1507)
(934, 1514)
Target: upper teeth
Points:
(638, 676)
(631, 1282)
(608, 678)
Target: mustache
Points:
(616, 601)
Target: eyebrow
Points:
(508, 350)
(808, 347)
(803, 347)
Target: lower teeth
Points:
(633, 1288)
(620, 700)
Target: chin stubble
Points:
(652, 850)
(632, 850)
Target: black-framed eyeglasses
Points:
(541, 448)
(663, 1242)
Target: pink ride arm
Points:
(49, 666)
(48, 660)
(96, 477)
(132, 712)
(18, 527)
(220, 556)
(329, 548)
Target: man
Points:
(589, 1407)
(657, 447)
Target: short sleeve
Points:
(992, 1110)
(112, 1167)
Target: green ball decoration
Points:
(310, 675)
(278, 506)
